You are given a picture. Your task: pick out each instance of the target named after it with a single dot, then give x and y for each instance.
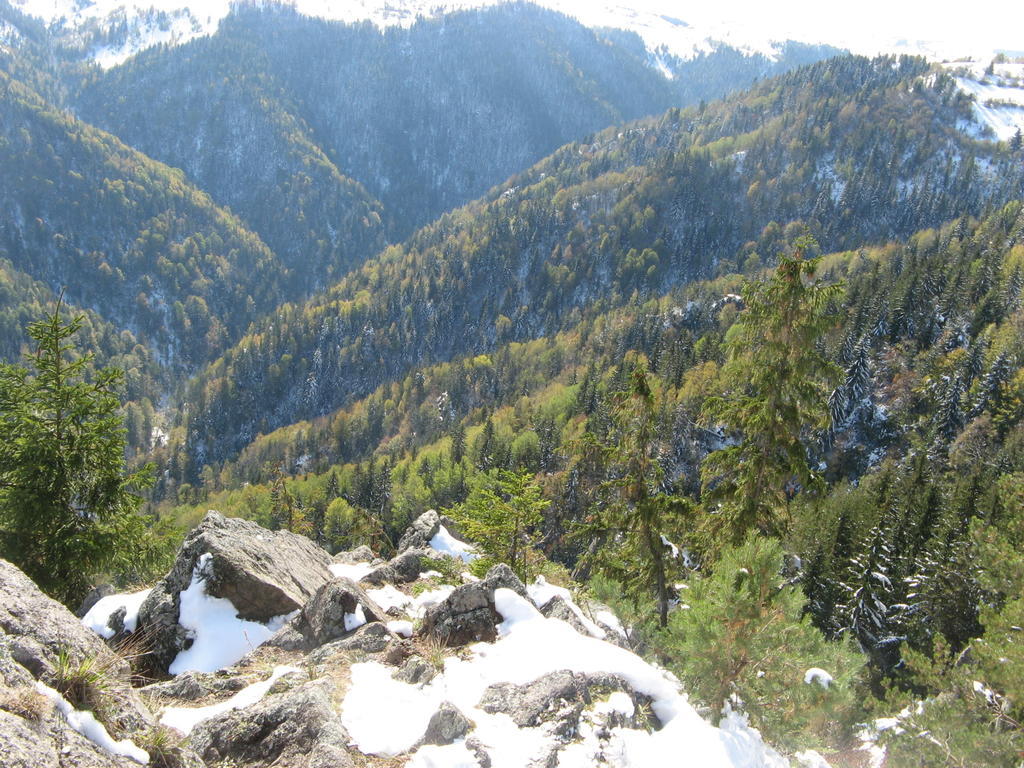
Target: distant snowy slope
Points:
(111, 31)
(999, 96)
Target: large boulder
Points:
(337, 609)
(263, 573)
(296, 729)
(468, 614)
(35, 631)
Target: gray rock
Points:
(49, 742)
(557, 608)
(263, 573)
(35, 629)
(446, 725)
(323, 617)
(369, 638)
(468, 614)
(420, 531)
(416, 671)
(38, 628)
(557, 698)
(401, 569)
(192, 686)
(361, 554)
(287, 730)
(424, 528)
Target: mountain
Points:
(109, 34)
(127, 236)
(425, 118)
(858, 151)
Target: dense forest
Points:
(621, 217)
(749, 362)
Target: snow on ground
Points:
(387, 717)
(542, 593)
(418, 607)
(819, 676)
(185, 719)
(354, 571)
(1000, 107)
(388, 597)
(447, 544)
(98, 616)
(998, 97)
(220, 638)
(401, 627)
(87, 725)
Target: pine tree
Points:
(68, 507)
(776, 377)
(503, 514)
(635, 517)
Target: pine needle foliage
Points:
(68, 507)
(777, 388)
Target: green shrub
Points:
(740, 634)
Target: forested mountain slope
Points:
(129, 237)
(425, 118)
(858, 151)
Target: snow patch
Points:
(87, 725)
(400, 628)
(447, 544)
(184, 719)
(819, 676)
(354, 571)
(99, 615)
(220, 638)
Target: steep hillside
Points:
(859, 151)
(425, 118)
(127, 236)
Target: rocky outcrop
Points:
(38, 628)
(401, 569)
(424, 528)
(468, 614)
(558, 698)
(263, 573)
(34, 632)
(296, 729)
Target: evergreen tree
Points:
(68, 507)
(503, 514)
(776, 379)
(635, 518)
